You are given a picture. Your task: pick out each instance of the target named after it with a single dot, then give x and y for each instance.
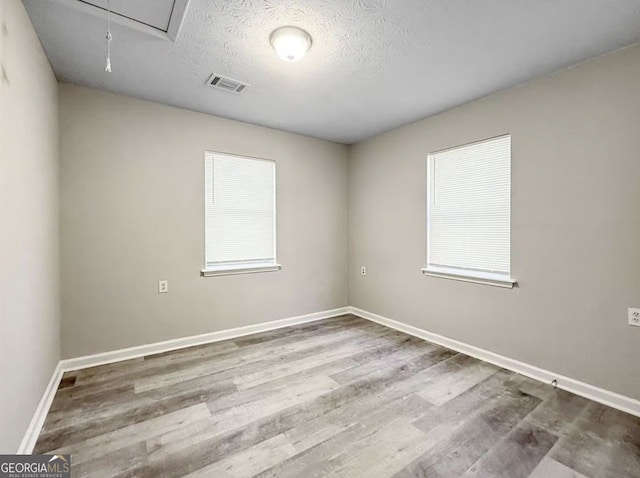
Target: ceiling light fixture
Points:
(290, 43)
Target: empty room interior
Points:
(309, 238)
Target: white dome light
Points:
(290, 43)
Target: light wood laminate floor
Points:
(339, 397)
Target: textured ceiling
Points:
(374, 64)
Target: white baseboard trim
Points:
(87, 361)
(606, 397)
(33, 432)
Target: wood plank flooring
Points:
(342, 397)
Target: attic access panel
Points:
(160, 18)
(153, 13)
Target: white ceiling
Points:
(374, 64)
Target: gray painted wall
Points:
(132, 212)
(29, 278)
(575, 224)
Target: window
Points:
(468, 212)
(240, 215)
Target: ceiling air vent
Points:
(226, 84)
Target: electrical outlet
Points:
(634, 317)
(163, 286)
(363, 271)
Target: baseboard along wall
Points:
(183, 342)
(33, 432)
(606, 397)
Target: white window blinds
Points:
(469, 208)
(240, 211)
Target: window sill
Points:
(481, 278)
(241, 269)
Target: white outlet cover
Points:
(634, 317)
(163, 286)
(363, 271)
